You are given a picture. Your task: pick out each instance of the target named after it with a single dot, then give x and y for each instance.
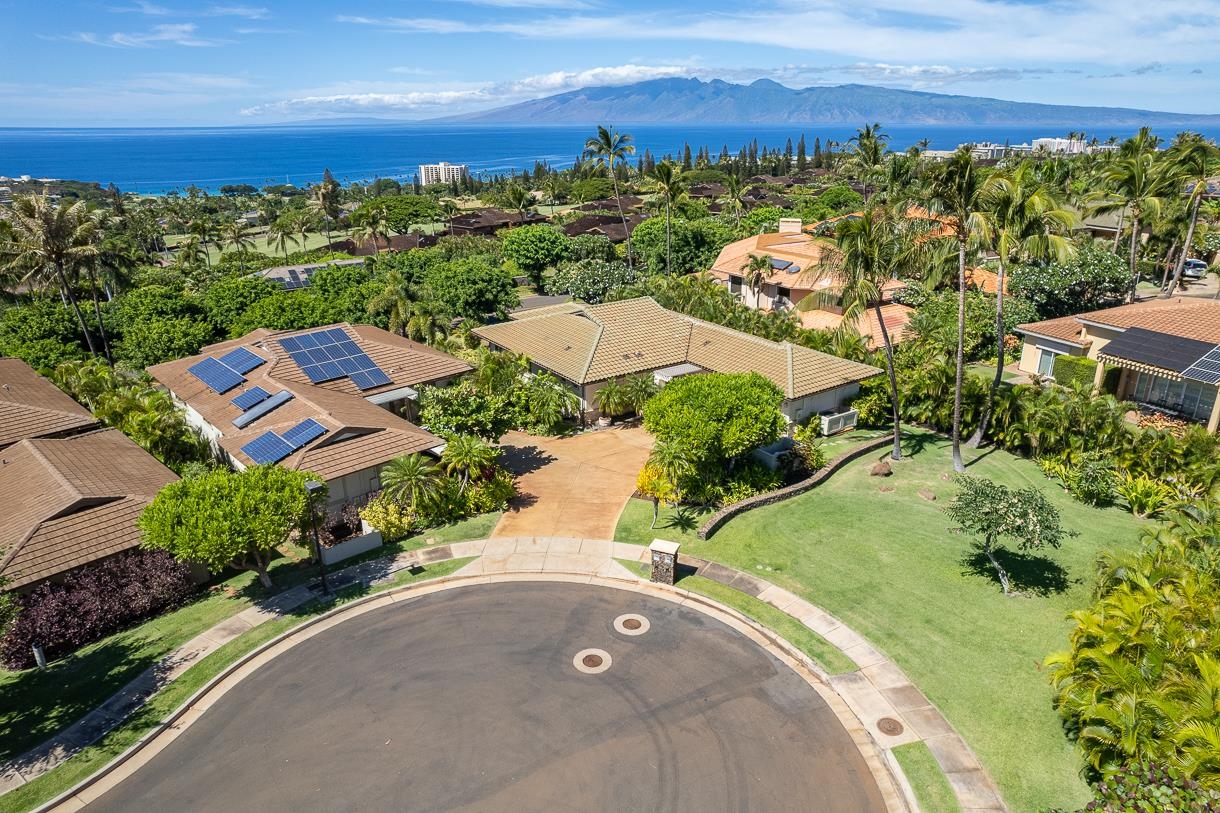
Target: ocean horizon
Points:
(156, 161)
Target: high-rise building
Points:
(444, 172)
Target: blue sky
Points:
(169, 62)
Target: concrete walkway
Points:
(575, 486)
(879, 705)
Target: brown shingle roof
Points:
(359, 434)
(71, 501)
(614, 339)
(1185, 317)
(33, 407)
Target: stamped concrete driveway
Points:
(575, 486)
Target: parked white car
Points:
(1194, 269)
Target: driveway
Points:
(575, 486)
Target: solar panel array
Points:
(260, 409)
(272, 448)
(242, 360)
(325, 355)
(1206, 369)
(295, 279)
(218, 377)
(250, 397)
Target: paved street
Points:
(469, 700)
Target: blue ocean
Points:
(158, 160)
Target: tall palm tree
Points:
(412, 479)
(1138, 185)
(50, 243)
(1192, 157)
(324, 202)
(374, 225)
(608, 148)
(732, 198)
(520, 200)
(467, 456)
(671, 189)
(236, 235)
(870, 249)
(204, 229)
(281, 233)
(755, 269)
(673, 462)
(1026, 222)
(868, 154)
(956, 194)
(554, 186)
(429, 322)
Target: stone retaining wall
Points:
(757, 501)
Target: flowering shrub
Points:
(92, 603)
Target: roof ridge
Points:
(55, 472)
(597, 340)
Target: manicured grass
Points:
(93, 757)
(35, 704)
(889, 565)
(931, 788)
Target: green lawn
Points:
(931, 788)
(93, 757)
(35, 704)
(887, 563)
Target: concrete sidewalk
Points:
(876, 701)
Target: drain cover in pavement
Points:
(889, 726)
(631, 624)
(592, 661)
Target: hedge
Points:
(93, 602)
(1080, 370)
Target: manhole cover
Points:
(889, 726)
(631, 624)
(591, 661)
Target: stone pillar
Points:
(664, 560)
(1099, 376)
(1213, 423)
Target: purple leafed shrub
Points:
(93, 602)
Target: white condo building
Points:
(444, 172)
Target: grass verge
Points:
(932, 789)
(97, 755)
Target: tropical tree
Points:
(520, 200)
(429, 321)
(956, 194)
(396, 298)
(468, 457)
(867, 154)
(671, 189)
(755, 268)
(637, 390)
(497, 371)
(675, 463)
(281, 233)
(1135, 184)
(608, 148)
(50, 243)
(324, 202)
(1024, 222)
(236, 235)
(1192, 158)
(373, 224)
(610, 399)
(549, 402)
(732, 198)
(411, 479)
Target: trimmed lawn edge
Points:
(928, 782)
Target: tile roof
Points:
(33, 407)
(598, 342)
(72, 500)
(359, 434)
(803, 251)
(895, 316)
(1183, 317)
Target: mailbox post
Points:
(664, 560)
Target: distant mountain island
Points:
(693, 101)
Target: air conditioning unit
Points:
(835, 422)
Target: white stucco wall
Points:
(797, 410)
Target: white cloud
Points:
(417, 101)
(248, 12)
(167, 34)
(142, 7)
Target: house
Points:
(489, 221)
(609, 226)
(710, 190)
(629, 203)
(33, 407)
(294, 277)
(587, 346)
(757, 196)
(332, 400)
(800, 275)
(365, 248)
(1167, 349)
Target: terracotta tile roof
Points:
(33, 407)
(805, 252)
(72, 501)
(1184, 317)
(895, 316)
(359, 434)
(614, 339)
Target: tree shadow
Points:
(914, 444)
(1029, 573)
(522, 501)
(683, 518)
(524, 459)
(979, 457)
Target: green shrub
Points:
(1145, 496)
(746, 481)
(808, 439)
(1074, 370)
(393, 519)
(491, 494)
(1092, 480)
(874, 409)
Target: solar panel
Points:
(303, 433)
(217, 376)
(260, 409)
(780, 264)
(250, 397)
(242, 360)
(367, 379)
(1205, 369)
(267, 448)
(290, 343)
(325, 355)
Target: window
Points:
(734, 284)
(1046, 362)
(1190, 399)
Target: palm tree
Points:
(325, 201)
(467, 456)
(868, 153)
(956, 193)
(755, 269)
(732, 198)
(671, 189)
(870, 249)
(554, 186)
(397, 298)
(205, 229)
(429, 321)
(607, 149)
(236, 235)
(280, 234)
(50, 243)
(411, 479)
(1192, 157)
(550, 401)
(520, 200)
(1025, 221)
(609, 399)
(497, 371)
(1138, 186)
(673, 462)
(637, 390)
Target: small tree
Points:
(654, 484)
(535, 248)
(993, 512)
(228, 519)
